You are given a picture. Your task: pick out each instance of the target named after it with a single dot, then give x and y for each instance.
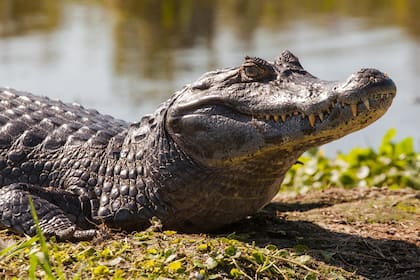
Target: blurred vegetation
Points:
(19, 17)
(394, 164)
(146, 31)
(153, 29)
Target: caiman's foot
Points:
(15, 213)
(71, 233)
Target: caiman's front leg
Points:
(15, 212)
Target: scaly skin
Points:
(215, 152)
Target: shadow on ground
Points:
(375, 249)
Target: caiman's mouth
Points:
(375, 101)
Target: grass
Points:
(162, 255)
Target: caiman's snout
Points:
(369, 86)
(369, 79)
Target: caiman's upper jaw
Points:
(365, 91)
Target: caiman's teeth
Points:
(311, 120)
(312, 117)
(283, 118)
(353, 108)
(367, 105)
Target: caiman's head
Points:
(275, 107)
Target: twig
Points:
(296, 263)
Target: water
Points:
(125, 57)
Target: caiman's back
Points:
(50, 145)
(38, 134)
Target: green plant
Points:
(394, 165)
(35, 248)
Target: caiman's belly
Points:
(215, 209)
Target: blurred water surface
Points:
(125, 57)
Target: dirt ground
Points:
(374, 233)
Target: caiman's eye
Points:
(256, 69)
(253, 71)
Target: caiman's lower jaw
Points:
(379, 101)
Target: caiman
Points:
(215, 152)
